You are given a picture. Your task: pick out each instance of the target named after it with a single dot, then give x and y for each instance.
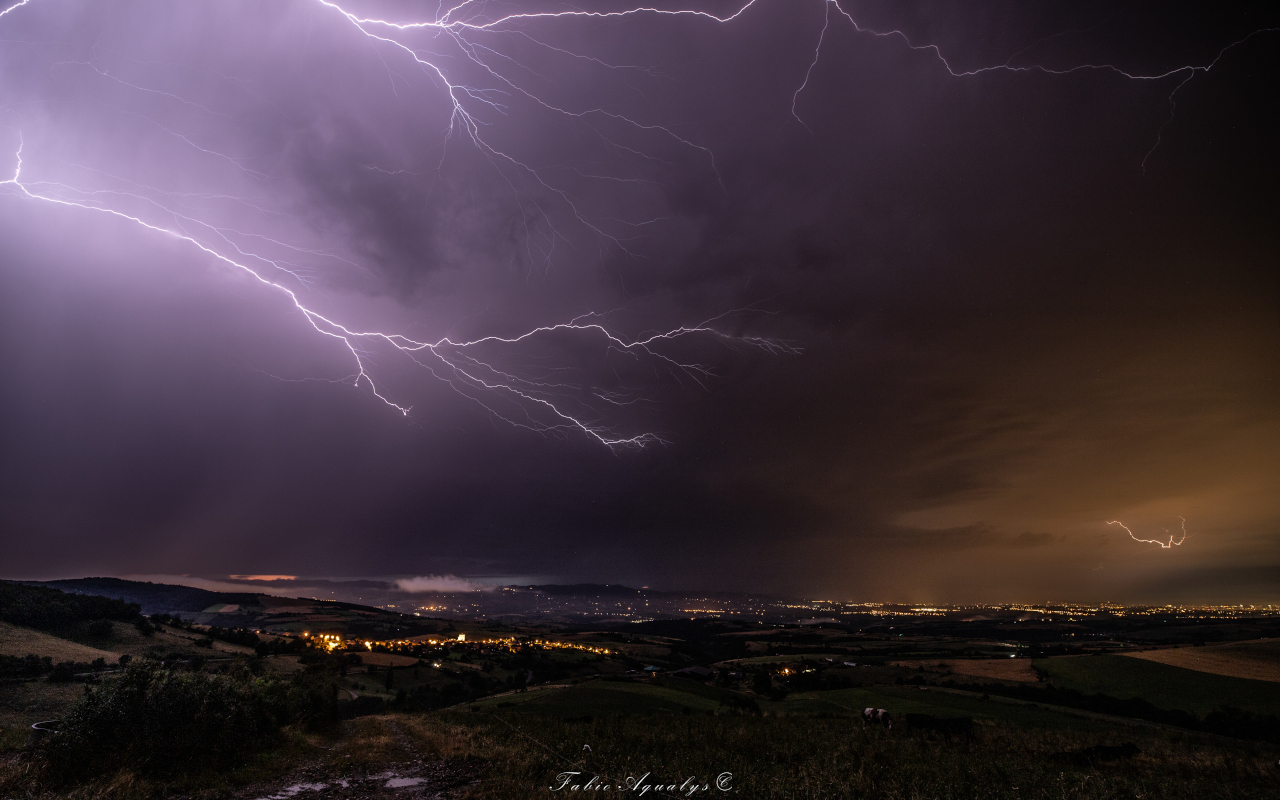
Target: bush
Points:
(285, 646)
(28, 666)
(234, 636)
(158, 721)
(100, 629)
(65, 671)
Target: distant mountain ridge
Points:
(589, 589)
(170, 598)
(155, 598)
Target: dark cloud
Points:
(1019, 317)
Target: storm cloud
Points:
(961, 319)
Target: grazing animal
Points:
(877, 715)
(947, 726)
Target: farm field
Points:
(1000, 669)
(610, 698)
(1161, 685)
(19, 641)
(387, 660)
(123, 640)
(1259, 660)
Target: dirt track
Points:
(398, 770)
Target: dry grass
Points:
(17, 641)
(792, 757)
(519, 756)
(22, 704)
(1258, 660)
(368, 743)
(1001, 669)
(124, 639)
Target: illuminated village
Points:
(417, 646)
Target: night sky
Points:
(960, 295)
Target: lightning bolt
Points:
(1186, 72)
(1169, 545)
(469, 375)
(466, 37)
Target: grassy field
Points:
(124, 640)
(22, 704)
(1161, 685)
(386, 660)
(789, 757)
(1001, 669)
(1258, 660)
(503, 755)
(17, 641)
(610, 698)
(808, 745)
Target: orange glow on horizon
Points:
(263, 577)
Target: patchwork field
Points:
(1161, 685)
(667, 697)
(1258, 660)
(1001, 669)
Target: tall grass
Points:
(790, 757)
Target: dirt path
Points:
(396, 769)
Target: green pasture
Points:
(612, 698)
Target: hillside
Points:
(253, 611)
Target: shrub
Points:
(65, 671)
(28, 666)
(158, 721)
(234, 636)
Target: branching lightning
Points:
(1169, 545)
(533, 401)
(471, 376)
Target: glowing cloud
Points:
(439, 583)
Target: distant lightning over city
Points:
(1164, 545)
(467, 58)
